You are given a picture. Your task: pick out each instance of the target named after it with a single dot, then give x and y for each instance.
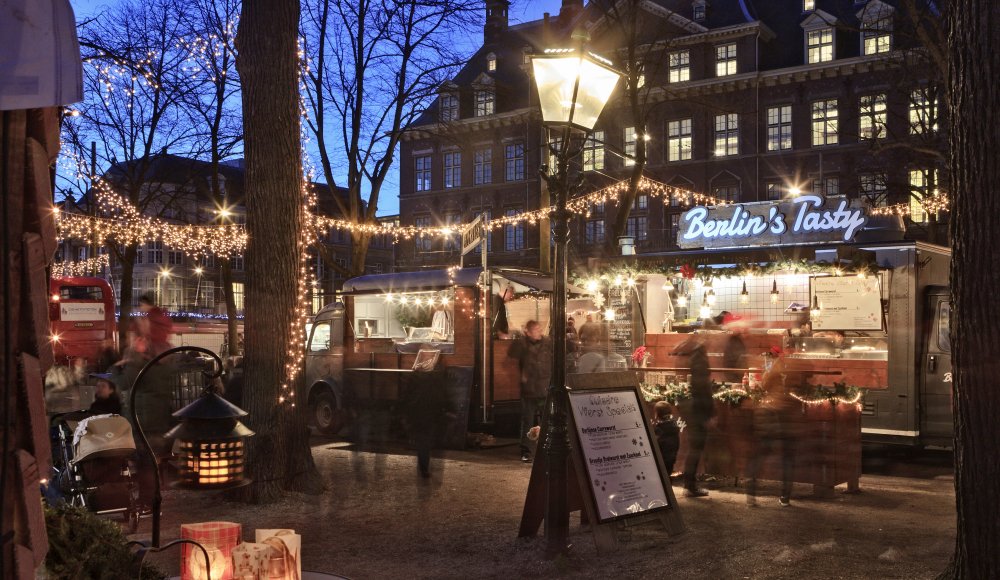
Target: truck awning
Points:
(427, 280)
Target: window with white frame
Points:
(679, 140)
(422, 173)
(779, 128)
(491, 62)
(483, 166)
(872, 117)
(637, 227)
(514, 162)
(725, 59)
(923, 185)
(923, 111)
(699, 10)
(513, 234)
(594, 232)
(876, 35)
(593, 152)
(206, 294)
(421, 242)
(175, 258)
(727, 135)
(679, 64)
(239, 291)
(819, 45)
(154, 252)
(808, 5)
(628, 139)
(826, 186)
(729, 193)
(641, 202)
(236, 262)
(485, 100)
(872, 187)
(825, 122)
(453, 169)
(448, 105)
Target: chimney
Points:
(496, 20)
(569, 10)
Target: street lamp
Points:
(573, 86)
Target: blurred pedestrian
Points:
(593, 335)
(702, 410)
(427, 413)
(773, 421)
(498, 310)
(668, 434)
(155, 327)
(736, 349)
(533, 352)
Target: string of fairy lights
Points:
(80, 267)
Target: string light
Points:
(80, 267)
(744, 295)
(775, 295)
(668, 286)
(710, 297)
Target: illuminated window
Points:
(628, 139)
(485, 100)
(725, 60)
(872, 188)
(422, 173)
(808, 5)
(593, 152)
(923, 111)
(819, 45)
(679, 140)
(876, 36)
(779, 128)
(491, 62)
(872, 117)
(679, 64)
(825, 122)
(923, 185)
(727, 135)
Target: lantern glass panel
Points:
(557, 77)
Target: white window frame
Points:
(876, 35)
(825, 122)
(920, 181)
(679, 65)
(872, 116)
(725, 59)
(726, 135)
(514, 161)
(779, 128)
(483, 166)
(679, 140)
(452, 169)
(422, 176)
(513, 234)
(448, 107)
(922, 112)
(629, 139)
(485, 101)
(593, 151)
(872, 187)
(821, 45)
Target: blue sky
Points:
(520, 11)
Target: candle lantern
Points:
(219, 539)
(210, 443)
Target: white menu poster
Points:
(847, 303)
(615, 444)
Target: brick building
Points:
(744, 100)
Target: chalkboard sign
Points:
(618, 452)
(620, 329)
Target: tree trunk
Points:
(268, 67)
(233, 345)
(974, 39)
(125, 299)
(359, 252)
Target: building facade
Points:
(741, 100)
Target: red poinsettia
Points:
(688, 271)
(775, 351)
(639, 354)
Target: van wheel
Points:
(329, 415)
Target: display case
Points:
(834, 345)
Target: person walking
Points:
(533, 352)
(702, 410)
(156, 327)
(773, 418)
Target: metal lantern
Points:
(573, 86)
(210, 443)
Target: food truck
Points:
(841, 294)
(361, 351)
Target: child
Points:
(106, 398)
(668, 434)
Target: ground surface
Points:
(378, 519)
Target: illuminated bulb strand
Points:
(80, 267)
(855, 400)
(932, 204)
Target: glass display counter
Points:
(832, 345)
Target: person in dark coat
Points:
(498, 309)
(668, 434)
(773, 420)
(106, 400)
(534, 353)
(427, 410)
(702, 410)
(735, 350)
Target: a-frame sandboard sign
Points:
(616, 474)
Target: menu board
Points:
(620, 329)
(846, 303)
(615, 442)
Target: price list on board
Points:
(620, 329)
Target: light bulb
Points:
(710, 297)
(668, 286)
(774, 292)
(630, 282)
(744, 295)
(682, 301)
(706, 311)
(609, 315)
(591, 286)
(388, 297)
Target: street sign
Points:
(473, 235)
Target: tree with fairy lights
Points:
(974, 35)
(369, 70)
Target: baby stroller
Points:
(92, 468)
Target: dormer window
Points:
(876, 28)
(485, 100)
(808, 5)
(699, 10)
(725, 59)
(448, 107)
(819, 45)
(491, 62)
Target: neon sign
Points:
(802, 219)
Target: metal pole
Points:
(557, 440)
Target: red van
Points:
(81, 318)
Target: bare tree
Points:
(371, 67)
(134, 88)
(279, 455)
(210, 34)
(974, 35)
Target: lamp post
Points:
(211, 441)
(573, 86)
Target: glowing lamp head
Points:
(210, 443)
(744, 295)
(668, 286)
(609, 315)
(592, 286)
(705, 311)
(795, 192)
(710, 298)
(55, 298)
(682, 301)
(199, 270)
(573, 86)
